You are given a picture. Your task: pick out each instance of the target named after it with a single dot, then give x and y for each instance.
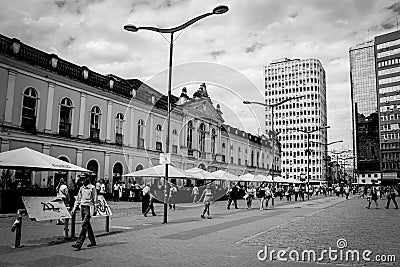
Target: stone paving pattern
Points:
(231, 238)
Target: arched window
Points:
(29, 109)
(119, 124)
(258, 159)
(158, 137)
(223, 152)
(64, 127)
(95, 114)
(190, 138)
(117, 172)
(94, 167)
(202, 140)
(231, 153)
(140, 134)
(213, 139)
(252, 158)
(246, 157)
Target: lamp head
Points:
(220, 10)
(131, 28)
(246, 102)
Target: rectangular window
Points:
(158, 146)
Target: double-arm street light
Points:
(273, 106)
(326, 154)
(216, 11)
(309, 132)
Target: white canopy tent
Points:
(200, 174)
(158, 171)
(225, 176)
(248, 177)
(26, 158)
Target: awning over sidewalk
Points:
(159, 172)
(26, 158)
(225, 176)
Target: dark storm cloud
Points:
(294, 15)
(69, 41)
(254, 47)
(215, 54)
(395, 8)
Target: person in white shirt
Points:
(102, 188)
(147, 201)
(63, 193)
(195, 193)
(116, 192)
(86, 199)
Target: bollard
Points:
(73, 219)
(107, 224)
(66, 222)
(17, 227)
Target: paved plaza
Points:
(235, 237)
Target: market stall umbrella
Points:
(293, 181)
(278, 179)
(26, 158)
(200, 174)
(159, 172)
(268, 179)
(259, 178)
(248, 177)
(225, 176)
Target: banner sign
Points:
(102, 207)
(45, 208)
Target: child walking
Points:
(208, 196)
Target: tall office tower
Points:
(286, 78)
(365, 111)
(387, 58)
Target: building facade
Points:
(364, 110)
(387, 63)
(111, 125)
(286, 78)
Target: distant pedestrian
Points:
(63, 193)
(102, 188)
(208, 197)
(347, 191)
(147, 202)
(86, 199)
(172, 196)
(391, 195)
(250, 194)
(296, 193)
(233, 194)
(372, 196)
(195, 193)
(98, 187)
(260, 193)
(116, 192)
(268, 196)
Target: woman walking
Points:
(63, 193)
(261, 195)
(208, 196)
(250, 194)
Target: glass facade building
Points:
(364, 108)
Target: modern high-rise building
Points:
(387, 58)
(287, 78)
(365, 110)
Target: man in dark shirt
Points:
(233, 194)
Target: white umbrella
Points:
(268, 179)
(26, 158)
(225, 176)
(248, 177)
(293, 181)
(259, 178)
(159, 171)
(278, 179)
(200, 174)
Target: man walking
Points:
(391, 195)
(87, 199)
(233, 196)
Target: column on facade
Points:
(219, 140)
(106, 166)
(43, 175)
(82, 113)
(183, 135)
(79, 160)
(196, 124)
(130, 164)
(49, 112)
(109, 120)
(151, 145)
(132, 123)
(208, 138)
(10, 96)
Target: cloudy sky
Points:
(227, 51)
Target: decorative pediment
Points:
(203, 108)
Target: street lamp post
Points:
(272, 106)
(308, 150)
(129, 27)
(326, 154)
